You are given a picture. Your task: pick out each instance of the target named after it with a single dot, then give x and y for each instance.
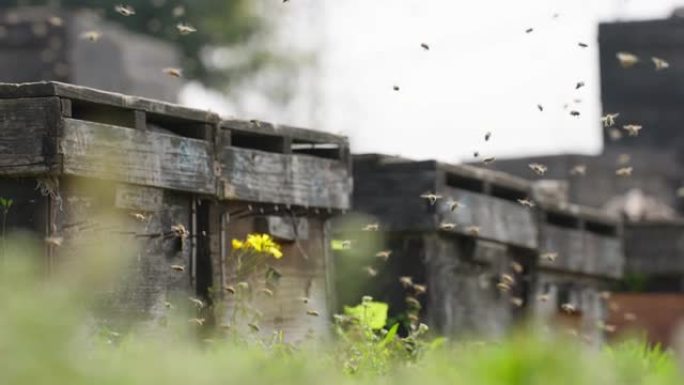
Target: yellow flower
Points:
(237, 244)
(275, 252)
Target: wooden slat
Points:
(498, 219)
(41, 89)
(137, 157)
(300, 180)
(582, 252)
(28, 127)
(266, 128)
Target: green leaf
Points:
(389, 337)
(370, 314)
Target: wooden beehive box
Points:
(488, 231)
(72, 156)
(286, 182)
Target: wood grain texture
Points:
(137, 157)
(28, 127)
(257, 176)
(498, 219)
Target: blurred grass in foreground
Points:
(48, 337)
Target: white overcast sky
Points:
(482, 73)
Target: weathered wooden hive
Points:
(42, 43)
(287, 182)
(476, 231)
(185, 184)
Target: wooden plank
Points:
(146, 199)
(498, 219)
(582, 252)
(258, 176)
(41, 89)
(27, 135)
(138, 157)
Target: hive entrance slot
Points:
(321, 150)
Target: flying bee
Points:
(55, 21)
(624, 171)
(255, 328)
(627, 59)
(384, 254)
(371, 227)
(488, 135)
(629, 316)
(185, 28)
(660, 64)
(304, 299)
(168, 305)
(609, 119)
(266, 291)
(540, 108)
(419, 289)
(197, 302)
(173, 72)
(412, 302)
(568, 308)
(243, 285)
(425, 46)
(529, 30)
(583, 45)
(54, 241)
(312, 313)
(406, 281)
(447, 226)
(455, 205)
(579, 170)
(507, 279)
(624, 159)
(138, 216)
(613, 306)
(526, 203)
(579, 85)
(574, 113)
(549, 256)
(371, 271)
(489, 160)
(605, 295)
(538, 168)
(517, 302)
(473, 230)
(178, 267)
(504, 288)
(543, 297)
(124, 10)
(476, 154)
(632, 129)
(395, 87)
(197, 321)
(518, 268)
(91, 35)
(614, 134)
(230, 289)
(180, 231)
(432, 198)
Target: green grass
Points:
(47, 337)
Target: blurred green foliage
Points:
(219, 24)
